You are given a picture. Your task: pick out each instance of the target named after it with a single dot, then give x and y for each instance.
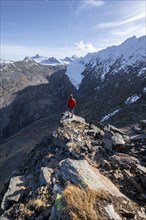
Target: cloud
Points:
(119, 23)
(92, 3)
(85, 47)
(85, 4)
(132, 30)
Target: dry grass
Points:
(38, 203)
(26, 212)
(82, 204)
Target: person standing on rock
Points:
(71, 104)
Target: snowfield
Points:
(132, 99)
(74, 71)
(106, 117)
(142, 72)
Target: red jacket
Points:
(71, 103)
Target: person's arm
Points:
(75, 103)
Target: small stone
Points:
(117, 140)
(143, 124)
(126, 213)
(45, 176)
(107, 144)
(106, 165)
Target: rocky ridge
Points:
(81, 171)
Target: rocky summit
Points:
(81, 171)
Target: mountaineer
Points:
(71, 104)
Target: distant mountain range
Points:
(53, 60)
(43, 60)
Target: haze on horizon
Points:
(64, 28)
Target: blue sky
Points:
(64, 28)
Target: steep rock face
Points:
(31, 91)
(70, 175)
(112, 83)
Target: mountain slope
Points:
(31, 91)
(112, 83)
(15, 148)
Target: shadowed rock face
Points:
(31, 91)
(71, 173)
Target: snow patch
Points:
(132, 99)
(144, 89)
(97, 88)
(106, 117)
(74, 71)
(142, 72)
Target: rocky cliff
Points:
(81, 171)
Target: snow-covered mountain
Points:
(4, 63)
(52, 60)
(37, 58)
(130, 53)
(68, 60)
(111, 83)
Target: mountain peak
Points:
(130, 41)
(36, 56)
(28, 59)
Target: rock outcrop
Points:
(73, 174)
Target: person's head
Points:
(71, 96)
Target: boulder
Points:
(15, 191)
(114, 129)
(84, 175)
(124, 161)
